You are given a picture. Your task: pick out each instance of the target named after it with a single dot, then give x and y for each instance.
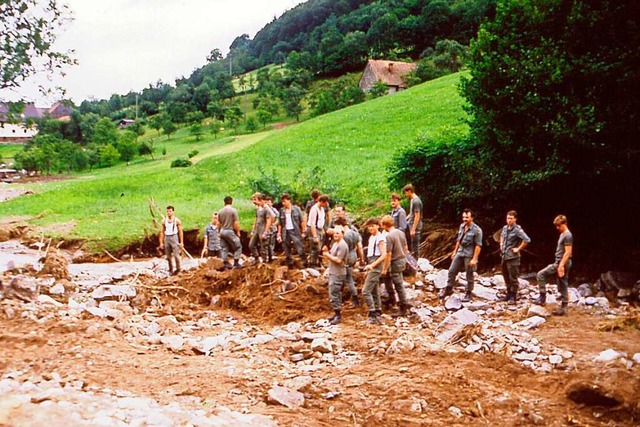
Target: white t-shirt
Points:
(373, 249)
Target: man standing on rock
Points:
(560, 268)
(414, 220)
(211, 246)
(513, 240)
(337, 270)
(465, 254)
(395, 262)
(230, 233)
(376, 256)
(291, 227)
(171, 239)
(316, 221)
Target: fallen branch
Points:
(112, 257)
(289, 291)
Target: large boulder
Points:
(21, 287)
(454, 324)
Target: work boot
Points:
(445, 292)
(404, 311)
(227, 266)
(562, 311)
(373, 318)
(541, 300)
(236, 265)
(378, 313)
(506, 297)
(467, 297)
(355, 300)
(336, 318)
(512, 300)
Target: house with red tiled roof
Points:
(388, 72)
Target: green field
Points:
(7, 151)
(108, 207)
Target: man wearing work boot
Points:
(291, 228)
(513, 240)
(230, 234)
(354, 242)
(560, 268)
(337, 270)
(396, 261)
(465, 254)
(376, 255)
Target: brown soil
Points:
(56, 265)
(266, 293)
(488, 389)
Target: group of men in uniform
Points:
(338, 242)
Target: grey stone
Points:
(296, 357)
(498, 280)
(485, 293)
(477, 306)
(313, 272)
(591, 300)
(453, 303)
(298, 383)
(57, 289)
(454, 323)
(608, 356)
(97, 311)
(525, 356)
(530, 323)
(46, 299)
(310, 336)
(21, 287)
(574, 296)
(322, 345)
(523, 282)
(585, 290)
(636, 358)
(173, 342)
(536, 310)
(113, 291)
(352, 380)
(457, 412)
(424, 265)
(555, 359)
(472, 348)
(440, 279)
(284, 396)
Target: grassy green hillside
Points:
(108, 207)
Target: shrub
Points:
(181, 163)
(193, 153)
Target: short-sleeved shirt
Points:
(566, 239)
(512, 237)
(317, 217)
(213, 237)
(396, 242)
(373, 249)
(227, 217)
(262, 215)
(469, 239)
(415, 206)
(399, 218)
(339, 250)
